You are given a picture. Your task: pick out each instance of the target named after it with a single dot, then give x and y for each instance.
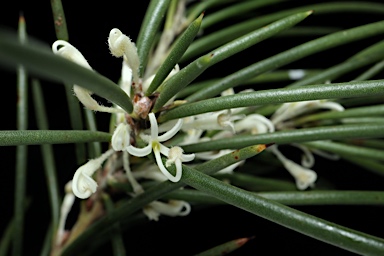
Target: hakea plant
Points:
(168, 131)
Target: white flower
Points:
(83, 186)
(154, 144)
(304, 177)
(173, 208)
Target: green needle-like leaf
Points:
(195, 10)
(73, 102)
(370, 55)
(227, 34)
(47, 155)
(116, 239)
(270, 77)
(59, 20)
(21, 151)
(76, 122)
(291, 55)
(38, 137)
(309, 225)
(6, 238)
(179, 81)
(47, 244)
(291, 136)
(369, 111)
(42, 62)
(376, 167)
(235, 11)
(178, 49)
(225, 248)
(95, 146)
(254, 183)
(149, 27)
(328, 197)
(372, 143)
(8, 232)
(308, 31)
(276, 96)
(347, 150)
(371, 72)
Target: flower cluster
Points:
(83, 184)
(131, 138)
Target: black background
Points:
(89, 23)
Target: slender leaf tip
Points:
(21, 18)
(241, 241)
(261, 147)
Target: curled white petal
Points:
(255, 123)
(176, 153)
(126, 78)
(290, 110)
(164, 170)
(325, 154)
(307, 160)
(220, 120)
(225, 120)
(169, 134)
(137, 188)
(176, 156)
(173, 208)
(90, 103)
(121, 45)
(69, 52)
(139, 152)
(83, 186)
(121, 137)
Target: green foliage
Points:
(228, 93)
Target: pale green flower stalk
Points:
(171, 129)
